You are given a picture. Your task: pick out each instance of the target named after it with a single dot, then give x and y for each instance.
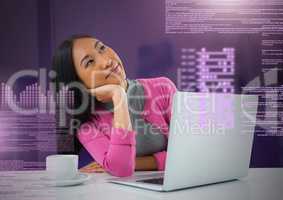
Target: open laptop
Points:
(210, 141)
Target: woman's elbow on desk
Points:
(120, 168)
(120, 160)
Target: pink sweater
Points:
(114, 148)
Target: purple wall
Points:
(123, 25)
(18, 36)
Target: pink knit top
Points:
(114, 148)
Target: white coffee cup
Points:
(62, 167)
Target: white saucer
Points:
(80, 178)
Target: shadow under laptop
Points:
(235, 189)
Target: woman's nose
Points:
(108, 63)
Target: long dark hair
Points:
(63, 65)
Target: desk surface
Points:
(261, 184)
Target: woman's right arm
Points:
(121, 111)
(117, 154)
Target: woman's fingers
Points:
(92, 170)
(105, 93)
(93, 167)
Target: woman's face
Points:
(97, 64)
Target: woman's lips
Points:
(114, 69)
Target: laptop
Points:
(210, 141)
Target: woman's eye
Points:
(102, 48)
(89, 62)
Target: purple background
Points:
(31, 29)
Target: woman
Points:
(126, 129)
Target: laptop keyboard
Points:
(157, 181)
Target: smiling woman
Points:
(129, 126)
(97, 64)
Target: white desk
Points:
(261, 184)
